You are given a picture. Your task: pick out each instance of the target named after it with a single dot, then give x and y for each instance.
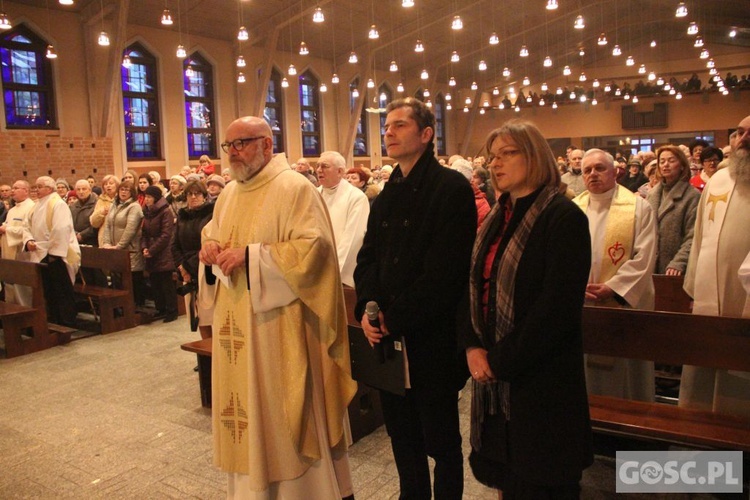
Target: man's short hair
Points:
(46, 181)
(419, 111)
(81, 181)
(24, 183)
(609, 159)
(337, 159)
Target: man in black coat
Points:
(414, 263)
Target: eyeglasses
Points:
(713, 161)
(239, 144)
(194, 193)
(506, 155)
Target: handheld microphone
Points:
(371, 310)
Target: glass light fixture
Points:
(370, 83)
(323, 87)
(419, 47)
(653, 44)
(474, 86)
(66, 2)
(481, 110)
(626, 96)
(455, 57)
(407, 3)
(607, 88)
(582, 78)
(382, 96)
(566, 70)
(651, 76)
(103, 39)
(713, 72)
(581, 51)
(448, 96)
(494, 39)
(602, 40)
(572, 96)
(448, 106)
(616, 51)
(5, 21)
(618, 92)
(126, 62)
(166, 18)
(582, 98)
(512, 92)
(526, 81)
(660, 81)
(457, 23)
(428, 103)
(579, 24)
(551, 4)
(692, 28)
(559, 91)
(496, 91)
(554, 105)
(544, 87)
(303, 50)
(467, 101)
(524, 52)
(318, 16)
(517, 109)
(335, 79)
(452, 82)
(353, 58)
(501, 106)
(466, 109)
(241, 77)
(355, 92)
(635, 99)
(698, 42)
(181, 52)
(482, 65)
(678, 96)
(681, 10)
(672, 91)
(710, 64)
(284, 83)
(51, 54)
(426, 93)
(642, 69)
(373, 34)
(541, 101)
(506, 72)
(393, 67)
(547, 62)
(630, 61)
(704, 54)
(241, 62)
(595, 84)
(594, 102)
(424, 75)
(667, 87)
(733, 32)
(242, 34)
(400, 87)
(292, 70)
(189, 71)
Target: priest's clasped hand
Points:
(227, 259)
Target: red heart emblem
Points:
(616, 252)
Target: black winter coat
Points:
(414, 263)
(158, 230)
(187, 237)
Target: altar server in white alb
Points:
(281, 376)
(623, 255)
(348, 208)
(714, 275)
(50, 238)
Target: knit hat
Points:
(179, 179)
(72, 195)
(216, 179)
(193, 177)
(154, 192)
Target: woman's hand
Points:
(478, 365)
(673, 272)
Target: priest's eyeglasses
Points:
(239, 144)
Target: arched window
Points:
(439, 110)
(360, 141)
(309, 103)
(199, 106)
(385, 96)
(140, 105)
(27, 80)
(274, 111)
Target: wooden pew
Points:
(116, 305)
(25, 328)
(673, 338)
(670, 295)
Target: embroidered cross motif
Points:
(234, 418)
(231, 339)
(616, 252)
(714, 200)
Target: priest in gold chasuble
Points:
(623, 255)
(281, 378)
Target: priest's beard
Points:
(739, 166)
(242, 171)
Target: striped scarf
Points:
(491, 398)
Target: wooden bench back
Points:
(108, 259)
(669, 294)
(665, 337)
(29, 274)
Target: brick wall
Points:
(28, 154)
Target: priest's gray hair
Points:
(46, 181)
(607, 157)
(335, 158)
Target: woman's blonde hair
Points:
(677, 152)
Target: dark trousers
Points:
(58, 292)
(421, 425)
(165, 293)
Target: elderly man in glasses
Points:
(282, 379)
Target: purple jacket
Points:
(157, 234)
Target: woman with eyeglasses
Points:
(185, 248)
(530, 427)
(675, 202)
(710, 159)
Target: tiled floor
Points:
(119, 416)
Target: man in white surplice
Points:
(11, 238)
(348, 208)
(281, 376)
(720, 245)
(623, 255)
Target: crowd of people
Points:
(478, 267)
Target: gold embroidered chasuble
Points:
(264, 339)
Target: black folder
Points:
(384, 372)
